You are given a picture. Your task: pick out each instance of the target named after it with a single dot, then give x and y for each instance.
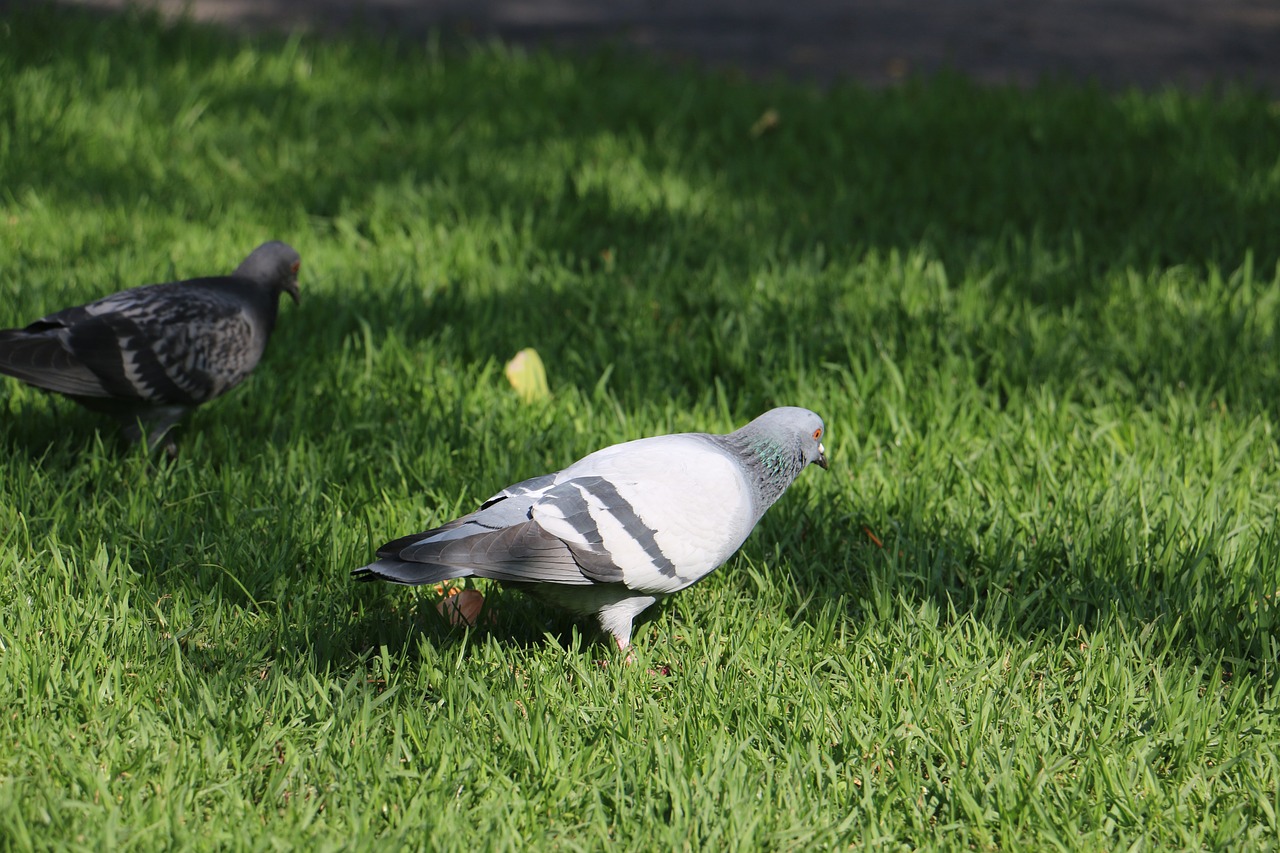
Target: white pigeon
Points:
(622, 528)
(150, 354)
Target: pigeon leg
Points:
(154, 425)
(617, 618)
(625, 646)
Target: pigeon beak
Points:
(822, 457)
(291, 288)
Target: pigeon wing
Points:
(37, 356)
(655, 514)
(168, 343)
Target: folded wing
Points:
(163, 344)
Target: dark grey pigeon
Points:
(622, 528)
(151, 354)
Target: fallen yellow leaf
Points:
(768, 121)
(527, 375)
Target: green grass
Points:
(1041, 325)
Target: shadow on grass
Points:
(56, 428)
(402, 620)
(1056, 582)
(1151, 181)
(1058, 588)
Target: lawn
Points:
(1033, 604)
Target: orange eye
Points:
(817, 433)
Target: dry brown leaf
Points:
(461, 606)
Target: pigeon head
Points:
(787, 438)
(775, 448)
(275, 264)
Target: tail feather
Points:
(522, 553)
(41, 360)
(409, 574)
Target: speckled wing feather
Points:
(181, 343)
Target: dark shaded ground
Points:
(1117, 43)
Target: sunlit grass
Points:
(1032, 604)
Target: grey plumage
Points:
(150, 354)
(623, 527)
